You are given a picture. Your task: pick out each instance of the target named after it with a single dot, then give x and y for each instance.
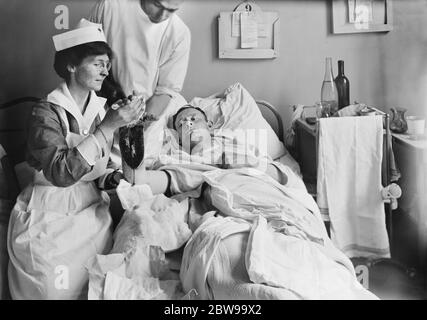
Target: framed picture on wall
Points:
(359, 16)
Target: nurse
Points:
(62, 219)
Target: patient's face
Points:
(193, 129)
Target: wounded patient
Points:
(195, 143)
(265, 240)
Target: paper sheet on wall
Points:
(262, 30)
(360, 11)
(249, 30)
(236, 22)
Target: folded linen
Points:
(349, 184)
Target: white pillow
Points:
(153, 135)
(235, 109)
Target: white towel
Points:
(349, 184)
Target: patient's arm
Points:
(157, 180)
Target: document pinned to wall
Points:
(262, 28)
(236, 25)
(249, 30)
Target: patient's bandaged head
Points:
(150, 220)
(192, 126)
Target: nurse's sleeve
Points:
(172, 72)
(48, 149)
(96, 14)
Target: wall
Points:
(385, 69)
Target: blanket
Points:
(287, 255)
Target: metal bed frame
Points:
(264, 105)
(10, 160)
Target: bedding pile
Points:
(245, 236)
(285, 252)
(265, 241)
(136, 267)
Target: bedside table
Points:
(411, 158)
(306, 152)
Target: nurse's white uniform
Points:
(151, 58)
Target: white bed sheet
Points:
(291, 257)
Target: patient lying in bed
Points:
(256, 232)
(196, 143)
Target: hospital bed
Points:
(229, 279)
(15, 113)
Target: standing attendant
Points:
(152, 47)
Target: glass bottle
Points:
(329, 94)
(343, 86)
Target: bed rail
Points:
(12, 103)
(264, 104)
(12, 138)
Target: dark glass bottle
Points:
(343, 86)
(131, 143)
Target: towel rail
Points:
(389, 216)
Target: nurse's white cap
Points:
(84, 32)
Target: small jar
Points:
(322, 111)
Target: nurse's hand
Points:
(131, 110)
(133, 98)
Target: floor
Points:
(391, 282)
(402, 278)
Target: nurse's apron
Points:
(54, 231)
